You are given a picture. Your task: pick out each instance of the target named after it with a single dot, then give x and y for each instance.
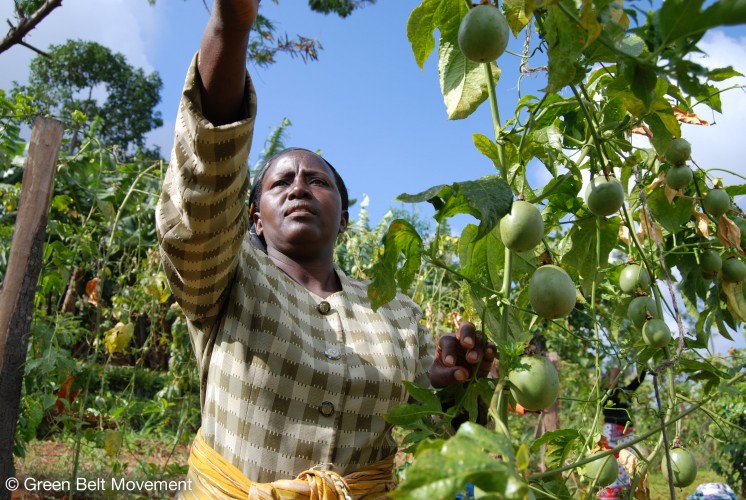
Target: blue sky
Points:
(374, 114)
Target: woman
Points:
(296, 368)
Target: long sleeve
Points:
(201, 217)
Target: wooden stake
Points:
(36, 195)
(19, 287)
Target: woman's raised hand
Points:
(458, 355)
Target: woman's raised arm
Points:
(222, 59)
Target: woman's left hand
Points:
(459, 354)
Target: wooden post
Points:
(19, 286)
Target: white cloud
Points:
(721, 144)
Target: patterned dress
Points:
(289, 380)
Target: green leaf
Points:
(736, 190)
(401, 238)
(420, 29)
(559, 445)
(489, 199)
(407, 414)
(434, 195)
(582, 255)
(425, 396)
(720, 74)
(662, 135)
(566, 42)
(465, 458)
(518, 13)
(671, 216)
(523, 457)
(462, 82)
(683, 18)
(488, 148)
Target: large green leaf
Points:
(582, 255)
(559, 443)
(566, 42)
(462, 82)
(442, 472)
(488, 199)
(400, 239)
(420, 29)
(488, 148)
(671, 216)
(682, 18)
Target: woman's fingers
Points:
(459, 355)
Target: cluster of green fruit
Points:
(642, 310)
(534, 383)
(716, 203)
(678, 176)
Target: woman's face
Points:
(300, 209)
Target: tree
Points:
(69, 84)
(29, 13)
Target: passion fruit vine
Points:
(551, 292)
(523, 228)
(683, 467)
(716, 202)
(656, 333)
(639, 308)
(483, 33)
(534, 383)
(604, 196)
(603, 471)
(633, 277)
(678, 151)
(679, 177)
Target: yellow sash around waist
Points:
(212, 477)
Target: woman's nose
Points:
(299, 189)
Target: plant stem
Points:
(639, 439)
(503, 336)
(664, 435)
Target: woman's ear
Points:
(344, 221)
(256, 217)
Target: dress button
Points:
(324, 307)
(332, 353)
(327, 408)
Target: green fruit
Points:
(734, 271)
(716, 202)
(604, 196)
(483, 33)
(633, 277)
(636, 312)
(678, 151)
(679, 177)
(523, 228)
(710, 264)
(551, 292)
(710, 261)
(534, 383)
(655, 333)
(683, 467)
(603, 471)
